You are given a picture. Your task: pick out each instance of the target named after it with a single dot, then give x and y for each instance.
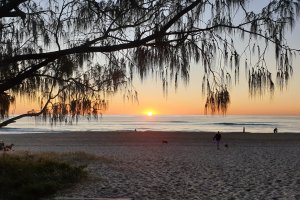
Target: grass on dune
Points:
(33, 176)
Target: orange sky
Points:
(189, 99)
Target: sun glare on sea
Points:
(149, 113)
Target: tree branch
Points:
(7, 9)
(34, 114)
(84, 48)
(10, 83)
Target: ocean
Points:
(212, 123)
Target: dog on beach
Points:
(164, 141)
(226, 145)
(8, 147)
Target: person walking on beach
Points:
(275, 130)
(217, 138)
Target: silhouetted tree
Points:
(69, 55)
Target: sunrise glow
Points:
(149, 112)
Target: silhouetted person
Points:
(275, 130)
(244, 129)
(1, 145)
(217, 138)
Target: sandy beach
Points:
(189, 166)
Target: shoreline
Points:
(125, 123)
(142, 131)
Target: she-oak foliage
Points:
(69, 55)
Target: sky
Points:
(188, 100)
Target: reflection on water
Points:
(232, 123)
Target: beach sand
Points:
(189, 166)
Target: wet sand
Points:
(189, 166)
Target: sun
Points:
(149, 112)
